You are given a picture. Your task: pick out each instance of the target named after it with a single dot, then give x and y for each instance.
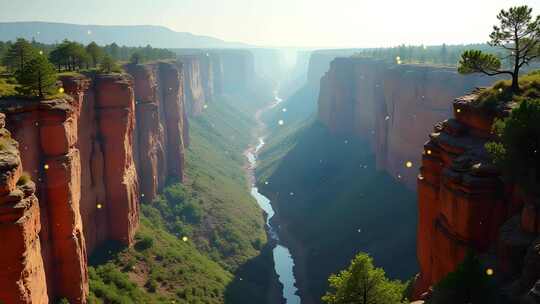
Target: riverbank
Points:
(283, 261)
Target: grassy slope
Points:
(334, 206)
(225, 259)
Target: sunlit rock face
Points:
(23, 274)
(161, 129)
(47, 134)
(391, 106)
(195, 97)
(464, 205)
(85, 152)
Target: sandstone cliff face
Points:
(195, 97)
(463, 204)
(116, 110)
(23, 273)
(161, 129)
(391, 105)
(47, 133)
(238, 70)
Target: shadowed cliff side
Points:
(390, 106)
(331, 203)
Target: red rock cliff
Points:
(463, 204)
(391, 105)
(161, 125)
(23, 274)
(89, 154)
(47, 133)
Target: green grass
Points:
(501, 92)
(8, 84)
(202, 241)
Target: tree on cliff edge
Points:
(362, 283)
(37, 78)
(518, 34)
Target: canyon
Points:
(92, 156)
(392, 106)
(464, 204)
(378, 115)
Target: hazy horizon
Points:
(286, 23)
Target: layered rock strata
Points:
(391, 105)
(23, 274)
(465, 205)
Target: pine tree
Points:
(518, 34)
(362, 283)
(38, 77)
(19, 54)
(95, 52)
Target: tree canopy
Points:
(37, 78)
(518, 34)
(19, 54)
(363, 283)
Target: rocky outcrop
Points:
(88, 153)
(23, 274)
(47, 133)
(161, 130)
(391, 105)
(464, 205)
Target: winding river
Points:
(283, 260)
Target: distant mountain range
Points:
(129, 35)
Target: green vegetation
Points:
(501, 92)
(37, 78)
(27, 72)
(444, 55)
(201, 241)
(305, 170)
(95, 52)
(518, 34)
(18, 54)
(470, 283)
(517, 151)
(24, 179)
(158, 269)
(363, 283)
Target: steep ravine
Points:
(283, 260)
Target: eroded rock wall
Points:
(47, 133)
(195, 97)
(391, 105)
(464, 204)
(23, 273)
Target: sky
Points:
(286, 23)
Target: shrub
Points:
(517, 151)
(468, 284)
(145, 243)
